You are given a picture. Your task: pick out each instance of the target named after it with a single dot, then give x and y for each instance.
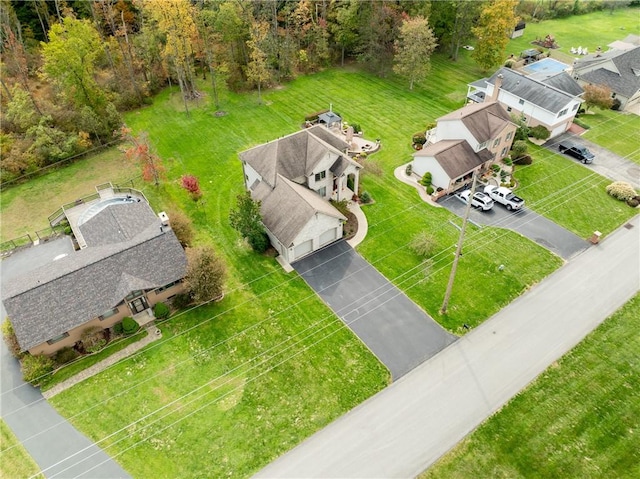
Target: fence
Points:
(8, 247)
(48, 233)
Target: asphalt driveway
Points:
(58, 448)
(394, 328)
(606, 163)
(537, 228)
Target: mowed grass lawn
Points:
(617, 131)
(580, 418)
(570, 194)
(15, 461)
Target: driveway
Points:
(392, 326)
(537, 228)
(406, 427)
(606, 163)
(58, 448)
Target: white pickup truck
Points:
(504, 196)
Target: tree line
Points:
(70, 67)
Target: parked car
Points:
(504, 196)
(479, 200)
(580, 152)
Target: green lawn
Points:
(15, 461)
(590, 30)
(568, 193)
(617, 131)
(580, 418)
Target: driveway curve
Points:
(537, 228)
(392, 326)
(58, 448)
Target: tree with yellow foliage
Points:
(497, 20)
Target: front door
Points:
(138, 305)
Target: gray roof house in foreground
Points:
(294, 178)
(131, 262)
(616, 69)
(551, 101)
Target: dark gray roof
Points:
(329, 117)
(483, 120)
(67, 293)
(117, 223)
(625, 80)
(540, 94)
(564, 82)
(287, 208)
(456, 157)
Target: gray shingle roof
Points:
(287, 208)
(540, 94)
(624, 82)
(69, 292)
(456, 157)
(483, 120)
(564, 82)
(117, 223)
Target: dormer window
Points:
(321, 176)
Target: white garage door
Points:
(327, 237)
(302, 249)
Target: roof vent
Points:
(164, 218)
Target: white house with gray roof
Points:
(132, 261)
(294, 178)
(551, 101)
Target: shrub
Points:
(205, 275)
(363, 155)
(633, 202)
(419, 138)
(129, 325)
(430, 189)
(523, 160)
(356, 127)
(181, 226)
(408, 169)
(10, 339)
(161, 311)
(67, 230)
(508, 64)
(518, 149)
(65, 355)
(495, 167)
(93, 339)
(118, 328)
(365, 197)
(181, 301)
(503, 175)
(507, 161)
(431, 125)
(581, 123)
(34, 368)
(426, 179)
(616, 104)
(423, 244)
(539, 132)
(341, 206)
(314, 116)
(621, 190)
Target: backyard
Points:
(270, 364)
(580, 418)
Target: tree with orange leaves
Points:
(140, 151)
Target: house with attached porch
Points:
(294, 177)
(464, 141)
(130, 261)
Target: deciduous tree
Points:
(140, 151)
(598, 96)
(257, 68)
(496, 21)
(205, 274)
(414, 47)
(192, 185)
(247, 220)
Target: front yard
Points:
(15, 461)
(614, 130)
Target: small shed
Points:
(330, 119)
(518, 30)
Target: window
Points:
(167, 286)
(563, 112)
(521, 101)
(575, 107)
(503, 153)
(509, 135)
(497, 142)
(509, 108)
(322, 191)
(321, 176)
(108, 314)
(134, 294)
(482, 145)
(58, 338)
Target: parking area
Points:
(537, 228)
(392, 326)
(605, 163)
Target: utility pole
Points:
(454, 267)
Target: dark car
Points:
(577, 151)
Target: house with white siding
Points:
(294, 178)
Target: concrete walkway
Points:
(153, 335)
(400, 174)
(405, 428)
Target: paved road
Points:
(392, 326)
(606, 163)
(537, 228)
(408, 426)
(54, 444)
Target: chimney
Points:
(496, 87)
(164, 220)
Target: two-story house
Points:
(465, 141)
(548, 100)
(294, 178)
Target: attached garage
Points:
(327, 237)
(303, 249)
